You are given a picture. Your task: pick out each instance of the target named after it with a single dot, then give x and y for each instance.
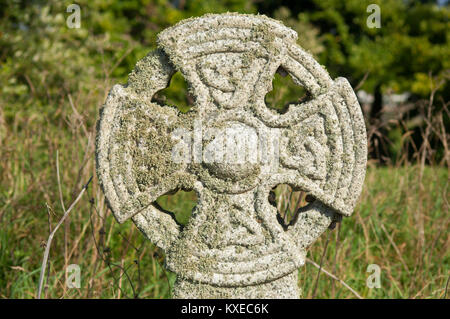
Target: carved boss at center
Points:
(232, 150)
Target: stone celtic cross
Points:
(232, 150)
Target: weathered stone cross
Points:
(232, 150)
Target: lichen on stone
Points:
(233, 245)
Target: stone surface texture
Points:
(232, 150)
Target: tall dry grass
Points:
(401, 221)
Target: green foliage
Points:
(410, 52)
(181, 204)
(411, 43)
(43, 58)
(284, 92)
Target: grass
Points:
(386, 230)
(401, 222)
